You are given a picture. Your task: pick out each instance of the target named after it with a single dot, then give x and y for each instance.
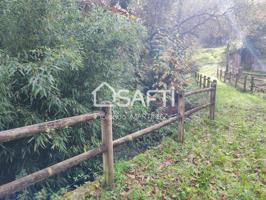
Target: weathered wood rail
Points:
(243, 81)
(108, 144)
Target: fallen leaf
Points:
(166, 164)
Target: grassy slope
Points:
(224, 159)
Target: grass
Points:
(221, 159)
(205, 57)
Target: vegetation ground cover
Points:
(221, 159)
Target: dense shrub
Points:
(52, 57)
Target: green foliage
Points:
(6, 110)
(112, 46)
(211, 56)
(52, 57)
(26, 25)
(123, 3)
(166, 62)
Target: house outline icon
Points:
(94, 93)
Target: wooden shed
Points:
(245, 59)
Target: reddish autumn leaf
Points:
(166, 164)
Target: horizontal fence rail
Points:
(194, 110)
(206, 85)
(263, 75)
(14, 134)
(244, 81)
(188, 94)
(143, 132)
(43, 174)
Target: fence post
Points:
(217, 73)
(200, 80)
(198, 77)
(204, 81)
(213, 100)
(221, 74)
(236, 81)
(252, 84)
(181, 116)
(107, 140)
(208, 82)
(230, 77)
(225, 76)
(245, 83)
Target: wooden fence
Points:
(243, 81)
(207, 86)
